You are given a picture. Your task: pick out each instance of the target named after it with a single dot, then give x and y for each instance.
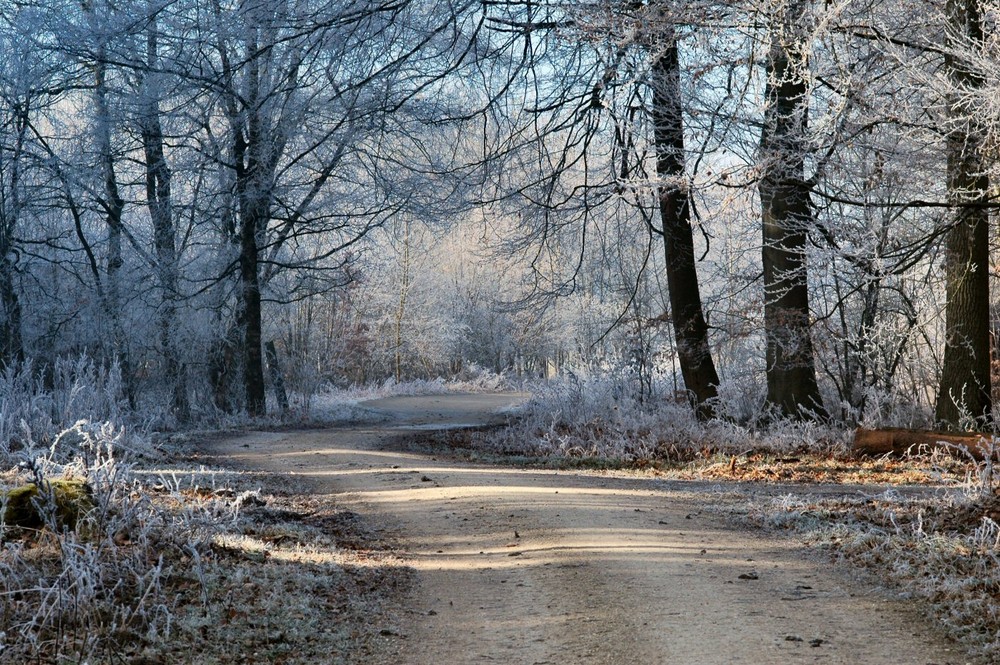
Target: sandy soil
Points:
(562, 567)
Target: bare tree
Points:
(965, 388)
(309, 90)
(159, 202)
(611, 130)
(690, 328)
(787, 217)
(17, 96)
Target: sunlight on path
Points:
(540, 566)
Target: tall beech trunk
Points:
(255, 148)
(965, 375)
(250, 310)
(787, 216)
(687, 316)
(253, 193)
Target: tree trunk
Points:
(965, 388)
(404, 292)
(11, 343)
(158, 201)
(11, 350)
(786, 212)
(277, 377)
(114, 207)
(690, 328)
(250, 313)
(254, 163)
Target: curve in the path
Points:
(537, 566)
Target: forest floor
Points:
(461, 560)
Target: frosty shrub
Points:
(80, 589)
(31, 414)
(77, 591)
(601, 415)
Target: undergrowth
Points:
(942, 550)
(600, 417)
(159, 565)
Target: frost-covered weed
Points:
(943, 550)
(600, 415)
(81, 590)
(80, 389)
(78, 592)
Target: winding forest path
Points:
(535, 567)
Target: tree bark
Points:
(114, 207)
(277, 376)
(11, 344)
(252, 216)
(159, 203)
(254, 157)
(965, 388)
(690, 328)
(787, 216)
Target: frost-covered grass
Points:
(184, 564)
(36, 406)
(598, 416)
(942, 550)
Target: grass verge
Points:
(193, 565)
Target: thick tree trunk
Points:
(690, 328)
(787, 216)
(11, 343)
(250, 313)
(253, 194)
(965, 388)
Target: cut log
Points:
(902, 441)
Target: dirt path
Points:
(530, 567)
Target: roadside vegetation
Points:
(941, 551)
(156, 558)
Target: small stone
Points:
(749, 576)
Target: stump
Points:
(72, 499)
(901, 441)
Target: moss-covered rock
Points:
(27, 506)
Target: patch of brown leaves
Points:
(810, 467)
